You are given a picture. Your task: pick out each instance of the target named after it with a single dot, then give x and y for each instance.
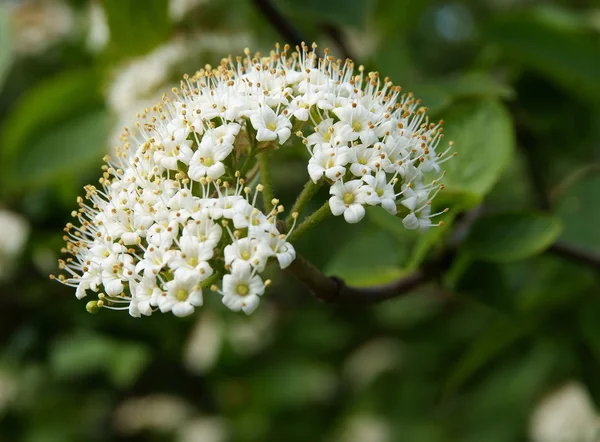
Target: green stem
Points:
(265, 178)
(310, 221)
(310, 190)
(210, 280)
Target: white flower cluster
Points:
(152, 236)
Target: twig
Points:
(283, 26)
(308, 192)
(334, 290)
(573, 253)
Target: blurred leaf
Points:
(69, 148)
(85, 354)
(478, 84)
(442, 93)
(6, 53)
(292, 383)
(407, 311)
(579, 209)
(127, 362)
(368, 258)
(511, 236)
(481, 281)
(569, 57)
(136, 28)
(483, 136)
(351, 13)
(548, 282)
(43, 107)
(487, 346)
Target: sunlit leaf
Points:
(483, 137)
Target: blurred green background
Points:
(505, 346)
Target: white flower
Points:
(270, 126)
(178, 204)
(328, 160)
(182, 294)
(248, 251)
(565, 415)
(348, 199)
(241, 289)
(380, 192)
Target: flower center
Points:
(356, 126)
(245, 255)
(379, 192)
(272, 126)
(182, 295)
(348, 198)
(327, 136)
(209, 161)
(193, 261)
(242, 289)
(362, 161)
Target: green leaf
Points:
(6, 53)
(369, 258)
(85, 354)
(46, 105)
(487, 346)
(511, 236)
(484, 139)
(67, 149)
(579, 210)
(568, 56)
(136, 28)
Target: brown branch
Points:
(283, 26)
(335, 290)
(576, 254)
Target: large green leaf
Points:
(368, 258)
(568, 56)
(499, 336)
(6, 53)
(136, 28)
(511, 236)
(67, 149)
(484, 139)
(45, 106)
(579, 209)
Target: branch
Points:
(574, 253)
(334, 290)
(283, 26)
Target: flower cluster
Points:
(177, 207)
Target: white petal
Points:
(182, 309)
(249, 303)
(354, 213)
(336, 205)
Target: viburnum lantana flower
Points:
(177, 209)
